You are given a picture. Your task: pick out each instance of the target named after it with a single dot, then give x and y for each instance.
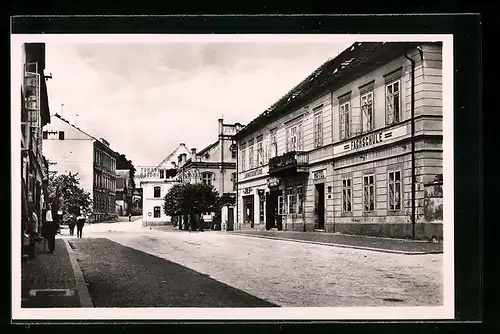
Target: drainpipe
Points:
(413, 223)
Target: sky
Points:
(146, 98)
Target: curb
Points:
(81, 286)
(383, 250)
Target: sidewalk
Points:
(388, 245)
(49, 280)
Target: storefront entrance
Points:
(319, 206)
(273, 220)
(248, 210)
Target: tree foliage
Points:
(66, 194)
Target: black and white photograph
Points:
(232, 176)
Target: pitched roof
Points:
(350, 64)
(208, 148)
(172, 154)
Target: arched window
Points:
(157, 192)
(207, 178)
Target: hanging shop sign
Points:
(273, 182)
(253, 173)
(319, 174)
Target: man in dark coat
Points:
(49, 229)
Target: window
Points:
(243, 160)
(162, 174)
(395, 191)
(345, 121)
(274, 146)
(318, 130)
(393, 102)
(234, 152)
(207, 178)
(294, 138)
(300, 199)
(260, 152)
(367, 111)
(250, 156)
(347, 195)
(369, 193)
(156, 212)
(61, 135)
(157, 192)
(291, 200)
(281, 206)
(45, 135)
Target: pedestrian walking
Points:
(129, 216)
(80, 222)
(49, 229)
(72, 224)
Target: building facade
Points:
(35, 114)
(355, 148)
(70, 149)
(124, 191)
(155, 182)
(215, 165)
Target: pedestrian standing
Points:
(49, 229)
(32, 230)
(80, 222)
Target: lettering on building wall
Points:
(256, 172)
(247, 191)
(371, 139)
(319, 174)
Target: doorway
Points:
(230, 219)
(319, 206)
(273, 220)
(249, 208)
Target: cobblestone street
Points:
(284, 273)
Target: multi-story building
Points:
(34, 115)
(215, 165)
(355, 148)
(155, 182)
(70, 149)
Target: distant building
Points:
(124, 191)
(215, 165)
(136, 208)
(155, 182)
(70, 149)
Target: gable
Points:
(70, 132)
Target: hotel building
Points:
(355, 148)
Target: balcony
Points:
(290, 162)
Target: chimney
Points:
(193, 154)
(221, 127)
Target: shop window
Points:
(291, 200)
(318, 130)
(395, 190)
(367, 111)
(156, 212)
(300, 199)
(157, 192)
(248, 207)
(281, 206)
(369, 193)
(345, 120)
(61, 135)
(347, 195)
(392, 102)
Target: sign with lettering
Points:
(247, 191)
(371, 139)
(147, 172)
(319, 174)
(253, 173)
(273, 182)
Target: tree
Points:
(191, 200)
(66, 194)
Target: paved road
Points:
(280, 272)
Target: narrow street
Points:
(126, 265)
